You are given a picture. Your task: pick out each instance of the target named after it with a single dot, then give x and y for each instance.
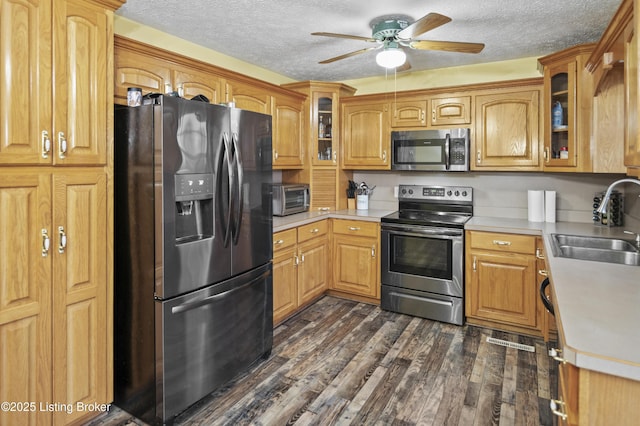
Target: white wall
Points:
(501, 194)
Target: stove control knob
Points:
(449, 193)
(411, 192)
(464, 193)
(457, 193)
(404, 191)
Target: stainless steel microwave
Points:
(430, 150)
(290, 198)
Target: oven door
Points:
(423, 258)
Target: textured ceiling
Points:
(275, 34)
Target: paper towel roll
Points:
(536, 206)
(550, 206)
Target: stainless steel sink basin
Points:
(610, 250)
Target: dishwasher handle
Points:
(545, 300)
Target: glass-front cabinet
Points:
(567, 103)
(325, 152)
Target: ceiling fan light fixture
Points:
(391, 58)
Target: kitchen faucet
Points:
(605, 200)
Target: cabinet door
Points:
(323, 189)
(79, 247)
(288, 142)
(133, 69)
(80, 66)
(313, 268)
(450, 111)
(632, 139)
(502, 288)
(250, 98)
(356, 265)
(366, 137)
(25, 82)
(25, 295)
(285, 284)
(507, 131)
(189, 83)
(409, 114)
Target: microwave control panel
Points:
(457, 151)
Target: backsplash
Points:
(504, 194)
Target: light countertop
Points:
(597, 303)
(287, 222)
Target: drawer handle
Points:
(556, 354)
(324, 209)
(557, 408)
(543, 272)
(354, 228)
(501, 243)
(539, 254)
(373, 251)
(314, 231)
(278, 242)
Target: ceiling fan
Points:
(393, 34)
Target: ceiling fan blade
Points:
(347, 55)
(422, 25)
(449, 46)
(345, 36)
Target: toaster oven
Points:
(290, 198)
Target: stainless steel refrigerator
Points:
(193, 251)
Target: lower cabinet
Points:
(356, 262)
(587, 397)
(54, 294)
(502, 281)
(300, 267)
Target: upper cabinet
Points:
(70, 127)
(632, 139)
(507, 129)
(138, 65)
(568, 98)
(288, 132)
(445, 110)
(366, 134)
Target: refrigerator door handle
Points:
(208, 300)
(240, 192)
(226, 154)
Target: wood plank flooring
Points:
(341, 362)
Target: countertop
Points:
(287, 222)
(597, 303)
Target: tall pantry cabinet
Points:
(56, 209)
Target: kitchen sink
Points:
(610, 250)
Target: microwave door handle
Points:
(306, 197)
(447, 144)
(240, 182)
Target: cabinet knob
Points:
(557, 408)
(62, 236)
(46, 144)
(46, 242)
(62, 145)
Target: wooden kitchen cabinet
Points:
(507, 129)
(568, 83)
(288, 132)
(631, 99)
(56, 295)
(409, 113)
(76, 134)
(547, 320)
(327, 182)
(366, 133)
(300, 268)
(502, 281)
(137, 65)
(432, 111)
(56, 189)
(356, 260)
(587, 397)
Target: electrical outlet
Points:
(395, 191)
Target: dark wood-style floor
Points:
(341, 362)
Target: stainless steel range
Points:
(422, 269)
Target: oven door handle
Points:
(443, 233)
